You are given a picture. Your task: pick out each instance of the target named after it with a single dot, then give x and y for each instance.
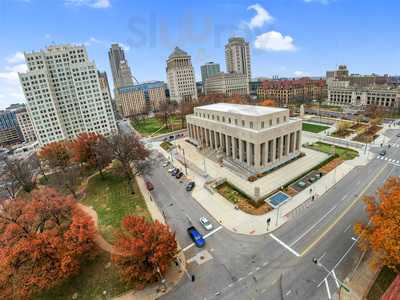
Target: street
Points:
(278, 265)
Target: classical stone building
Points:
(227, 84)
(180, 77)
(255, 137)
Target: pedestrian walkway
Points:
(240, 222)
(394, 161)
(360, 280)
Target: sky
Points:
(288, 38)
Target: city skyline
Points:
(287, 38)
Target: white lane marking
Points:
(258, 269)
(322, 256)
(348, 227)
(240, 279)
(313, 226)
(288, 292)
(327, 289)
(284, 245)
(205, 236)
(230, 285)
(212, 232)
(336, 280)
(266, 263)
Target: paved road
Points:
(277, 266)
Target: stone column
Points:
(213, 139)
(273, 145)
(249, 154)
(241, 156)
(207, 132)
(257, 155)
(234, 149)
(265, 160)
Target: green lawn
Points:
(95, 277)
(148, 126)
(112, 200)
(382, 282)
(344, 153)
(314, 128)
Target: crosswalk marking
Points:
(391, 160)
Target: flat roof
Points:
(242, 109)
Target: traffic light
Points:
(193, 278)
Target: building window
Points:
(223, 119)
(251, 124)
(229, 120)
(243, 123)
(270, 123)
(236, 122)
(262, 124)
(277, 120)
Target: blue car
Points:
(196, 236)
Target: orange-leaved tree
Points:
(382, 235)
(42, 242)
(56, 155)
(268, 102)
(91, 149)
(145, 250)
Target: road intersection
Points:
(278, 265)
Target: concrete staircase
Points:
(237, 168)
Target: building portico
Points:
(259, 138)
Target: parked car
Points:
(171, 170)
(382, 152)
(206, 224)
(190, 186)
(165, 164)
(398, 135)
(149, 186)
(196, 236)
(179, 175)
(174, 172)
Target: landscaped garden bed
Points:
(342, 133)
(381, 284)
(368, 135)
(343, 153)
(314, 127)
(242, 202)
(166, 145)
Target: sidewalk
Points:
(240, 222)
(359, 281)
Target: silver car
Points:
(206, 224)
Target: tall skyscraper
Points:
(121, 73)
(237, 57)
(63, 94)
(180, 76)
(209, 69)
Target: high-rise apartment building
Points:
(237, 57)
(26, 126)
(209, 69)
(121, 72)
(180, 76)
(63, 94)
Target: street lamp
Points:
(184, 159)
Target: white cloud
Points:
(92, 41)
(301, 74)
(262, 16)
(274, 41)
(16, 58)
(89, 3)
(47, 36)
(10, 86)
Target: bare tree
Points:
(20, 172)
(128, 150)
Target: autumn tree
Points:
(21, 173)
(268, 102)
(56, 155)
(145, 250)
(91, 149)
(185, 108)
(42, 242)
(382, 235)
(132, 155)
